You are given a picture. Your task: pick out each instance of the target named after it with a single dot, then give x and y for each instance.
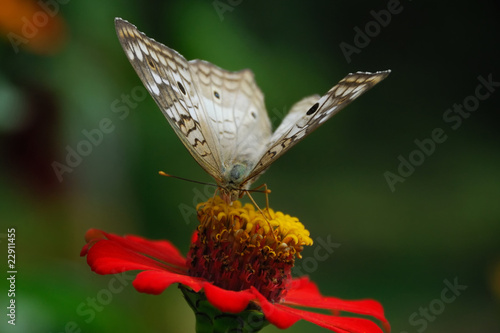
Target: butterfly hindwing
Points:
(235, 107)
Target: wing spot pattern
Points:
(138, 52)
(154, 55)
(130, 53)
(143, 47)
(186, 124)
(312, 109)
(171, 63)
(156, 77)
(154, 88)
(162, 60)
(181, 87)
(340, 90)
(359, 88)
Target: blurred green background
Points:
(397, 246)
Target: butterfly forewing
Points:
(307, 115)
(167, 77)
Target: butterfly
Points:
(220, 115)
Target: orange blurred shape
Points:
(495, 280)
(34, 25)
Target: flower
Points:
(34, 25)
(239, 262)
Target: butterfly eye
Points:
(181, 87)
(216, 94)
(312, 109)
(237, 172)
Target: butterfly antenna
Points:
(188, 180)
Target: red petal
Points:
(283, 317)
(163, 251)
(335, 323)
(93, 234)
(305, 293)
(155, 282)
(85, 250)
(303, 284)
(276, 315)
(91, 237)
(227, 300)
(194, 237)
(158, 249)
(108, 257)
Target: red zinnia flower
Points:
(235, 266)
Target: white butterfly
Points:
(220, 115)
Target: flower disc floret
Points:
(239, 246)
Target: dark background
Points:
(398, 247)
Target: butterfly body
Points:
(220, 116)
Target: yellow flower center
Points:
(238, 247)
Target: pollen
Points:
(235, 247)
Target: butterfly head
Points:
(235, 182)
(230, 195)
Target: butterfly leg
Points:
(266, 191)
(217, 190)
(263, 214)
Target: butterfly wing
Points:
(218, 115)
(309, 113)
(166, 75)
